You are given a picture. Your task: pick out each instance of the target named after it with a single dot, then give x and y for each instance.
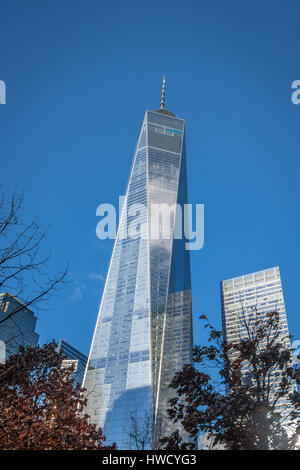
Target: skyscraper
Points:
(19, 329)
(143, 332)
(259, 292)
(75, 357)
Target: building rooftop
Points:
(165, 111)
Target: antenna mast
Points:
(162, 96)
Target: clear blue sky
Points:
(79, 77)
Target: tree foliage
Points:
(254, 404)
(40, 408)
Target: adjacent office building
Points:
(143, 332)
(73, 357)
(259, 292)
(19, 329)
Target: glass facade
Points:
(73, 357)
(143, 332)
(19, 329)
(243, 296)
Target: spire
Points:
(162, 109)
(162, 97)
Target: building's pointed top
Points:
(162, 96)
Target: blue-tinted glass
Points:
(145, 313)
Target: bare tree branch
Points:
(23, 261)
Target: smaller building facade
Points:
(19, 329)
(73, 357)
(253, 294)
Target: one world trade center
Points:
(143, 333)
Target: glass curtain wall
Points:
(143, 332)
